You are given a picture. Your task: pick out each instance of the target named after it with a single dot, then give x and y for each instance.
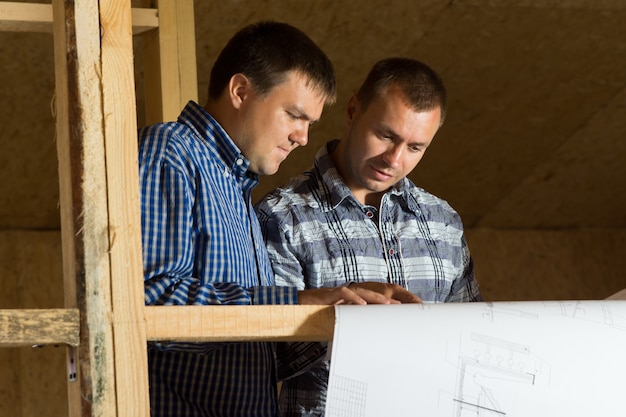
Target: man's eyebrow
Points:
(386, 130)
(301, 113)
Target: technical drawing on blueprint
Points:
(479, 359)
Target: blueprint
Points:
(519, 359)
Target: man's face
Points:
(384, 142)
(274, 124)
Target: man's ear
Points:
(353, 105)
(239, 88)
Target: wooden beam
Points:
(170, 62)
(34, 17)
(240, 323)
(30, 327)
(144, 20)
(25, 17)
(83, 203)
(185, 323)
(122, 177)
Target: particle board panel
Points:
(29, 192)
(524, 265)
(524, 79)
(43, 382)
(33, 381)
(522, 83)
(10, 382)
(581, 177)
(31, 267)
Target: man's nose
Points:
(301, 134)
(393, 155)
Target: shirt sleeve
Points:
(276, 225)
(293, 358)
(465, 288)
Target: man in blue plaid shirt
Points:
(201, 239)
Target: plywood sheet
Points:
(521, 265)
(33, 381)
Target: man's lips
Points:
(381, 175)
(283, 151)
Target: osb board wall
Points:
(548, 265)
(29, 190)
(33, 380)
(534, 134)
(536, 115)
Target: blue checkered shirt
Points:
(319, 235)
(202, 245)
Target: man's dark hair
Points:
(422, 87)
(265, 52)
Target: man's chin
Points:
(269, 170)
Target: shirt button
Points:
(239, 161)
(391, 252)
(369, 214)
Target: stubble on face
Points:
(278, 122)
(366, 158)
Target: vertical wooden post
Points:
(170, 62)
(97, 148)
(120, 134)
(84, 217)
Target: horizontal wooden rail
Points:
(34, 17)
(28, 327)
(240, 323)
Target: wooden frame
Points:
(37, 17)
(105, 323)
(29, 327)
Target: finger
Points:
(373, 297)
(329, 296)
(410, 299)
(349, 296)
(407, 298)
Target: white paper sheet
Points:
(518, 359)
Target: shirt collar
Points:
(220, 143)
(338, 191)
(334, 186)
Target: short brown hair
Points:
(265, 52)
(422, 87)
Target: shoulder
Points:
(162, 131)
(432, 206)
(162, 139)
(173, 143)
(296, 194)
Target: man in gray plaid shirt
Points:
(355, 218)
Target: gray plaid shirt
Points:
(318, 235)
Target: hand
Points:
(343, 295)
(392, 291)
